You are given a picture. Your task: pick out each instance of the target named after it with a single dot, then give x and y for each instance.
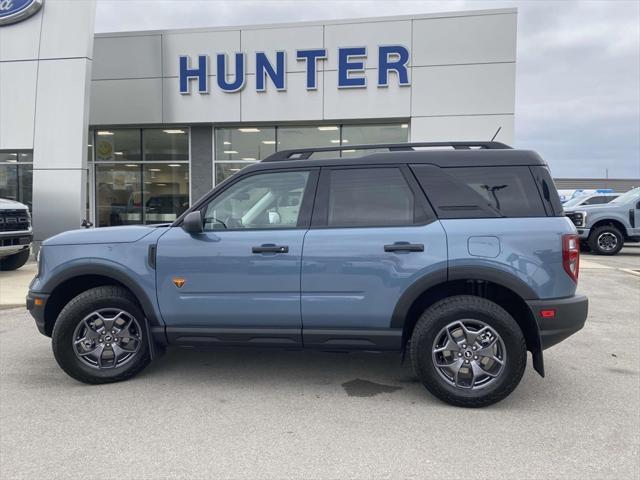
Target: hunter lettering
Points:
(271, 69)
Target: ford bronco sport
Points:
(461, 258)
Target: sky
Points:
(577, 67)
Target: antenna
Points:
(496, 134)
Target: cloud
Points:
(578, 64)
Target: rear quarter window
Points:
(480, 192)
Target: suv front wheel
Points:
(100, 336)
(468, 351)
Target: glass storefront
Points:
(237, 147)
(141, 175)
(16, 176)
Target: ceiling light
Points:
(348, 151)
(249, 159)
(234, 169)
(327, 129)
(89, 145)
(174, 165)
(155, 169)
(230, 152)
(161, 184)
(269, 142)
(173, 132)
(12, 160)
(131, 165)
(226, 143)
(117, 153)
(13, 154)
(404, 125)
(335, 141)
(104, 132)
(24, 154)
(249, 130)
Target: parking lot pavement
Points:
(256, 414)
(14, 285)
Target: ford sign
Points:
(12, 11)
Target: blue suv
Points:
(458, 255)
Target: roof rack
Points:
(305, 153)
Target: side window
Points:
(368, 197)
(594, 201)
(480, 192)
(264, 200)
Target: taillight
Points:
(571, 255)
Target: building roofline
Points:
(346, 21)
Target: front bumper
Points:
(36, 303)
(14, 242)
(569, 317)
(583, 233)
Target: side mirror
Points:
(192, 223)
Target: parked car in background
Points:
(15, 234)
(605, 228)
(590, 199)
(463, 259)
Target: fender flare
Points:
(430, 280)
(493, 275)
(110, 270)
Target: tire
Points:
(475, 312)
(74, 321)
(15, 261)
(602, 241)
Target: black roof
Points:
(460, 154)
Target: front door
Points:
(239, 281)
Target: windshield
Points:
(625, 197)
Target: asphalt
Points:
(273, 414)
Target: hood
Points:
(88, 236)
(7, 204)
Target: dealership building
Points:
(129, 128)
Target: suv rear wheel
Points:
(468, 351)
(15, 261)
(100, 336)
(606, 240)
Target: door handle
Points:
(404, 247)
(270, 248)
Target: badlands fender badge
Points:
(178, 281)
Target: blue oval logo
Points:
(12, 11)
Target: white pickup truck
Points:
(15, 234)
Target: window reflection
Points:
(166, 191)
(245, 143)
(16, 177)
(117, 144)
(372, 134)
(166, 144)
(225, 170)
(255, 143)
(140, 185)
(310, 136)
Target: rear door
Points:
(373, 234)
